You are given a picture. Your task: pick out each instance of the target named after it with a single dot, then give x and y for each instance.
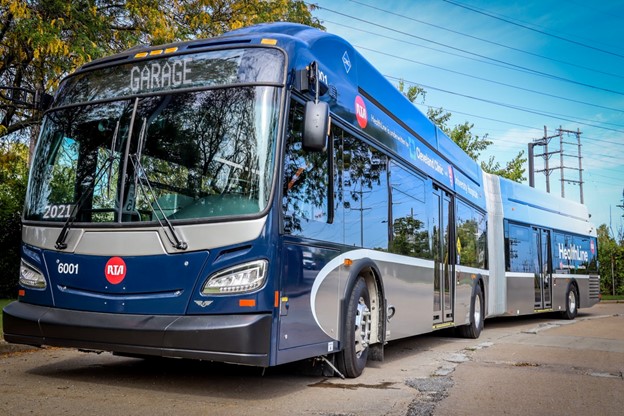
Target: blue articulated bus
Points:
(265, 197)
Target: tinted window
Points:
(410, 231)
(471, 236)
(191, 155)
(306, 186)
(519, 250)
(364, 193)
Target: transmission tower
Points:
(564, 152)
(577, 155)
(544, 141)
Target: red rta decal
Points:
(115, 270)
(360, 112)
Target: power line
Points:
(503, 19)
(593, 139)
(474, 76)
(562, 117)
(489, 41)
(465, 54)
(481, 117)
(536, 72)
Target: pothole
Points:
(431, 390)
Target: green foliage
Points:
(462, 135)
(513, 169)
(611, 259)
(413, 92)
(439, 117)
(472, 144)
(41, 41)
(411, 238)
(13, 179)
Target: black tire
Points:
(571, 303)
(352, 359)
(477, 314)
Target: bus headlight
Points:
(239, 279)
(31, 277)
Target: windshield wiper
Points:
(112, 152)
(60, 241)
(144, 183)
(108, 165)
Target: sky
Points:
(513, 69)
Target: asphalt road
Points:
(520, 366)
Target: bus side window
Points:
(410, 226)
(471, 236)
(519, 250)
(364, 194)
(305, 185)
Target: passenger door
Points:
(543, 272)
(443, 230)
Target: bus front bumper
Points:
(240, 339)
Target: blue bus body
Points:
(410, 224)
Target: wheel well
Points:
(480, 285)
(377, 298)
(574, 284)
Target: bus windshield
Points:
(180, 154)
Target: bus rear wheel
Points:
(352, 359)
(477, 315)
(571, 303)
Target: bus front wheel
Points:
(352, 359)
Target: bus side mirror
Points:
(315, 126)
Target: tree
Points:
(13, 178)
(611, 259)
(472, 144)
(513, 169)
(411, 238)
(43, 40)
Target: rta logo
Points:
(115, 270)
(360, 112)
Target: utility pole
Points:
(622, 206)
(361, 209)
(578, 156)
(546, 155)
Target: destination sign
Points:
(174, 72)
(158, 75)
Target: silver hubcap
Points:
(572, 301)
(362, 327)
(477, 311)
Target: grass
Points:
(611, 297)
(3, 303)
